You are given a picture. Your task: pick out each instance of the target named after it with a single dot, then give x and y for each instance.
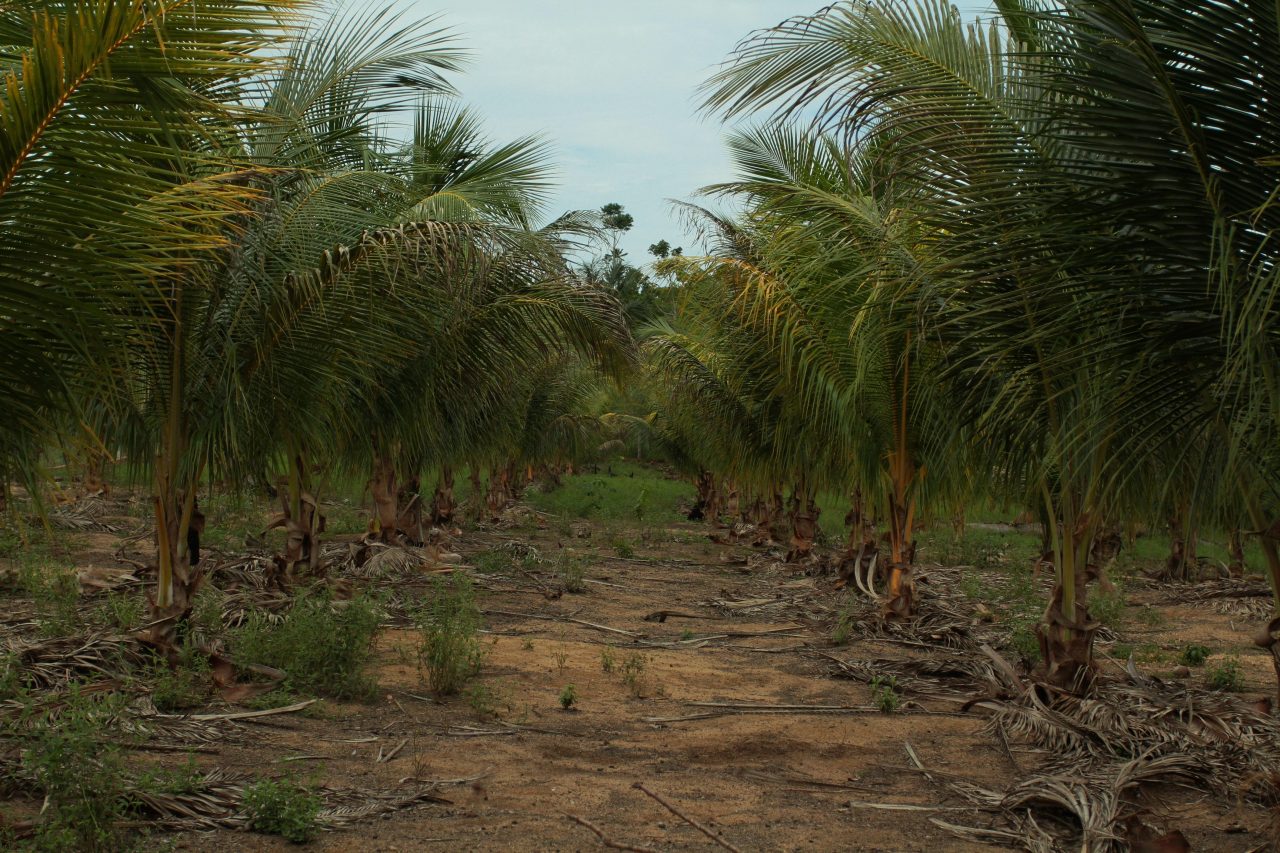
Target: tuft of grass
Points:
(607, 660)
(282, 807)
(568, 697)
(449, 623)
(1194, 655)
(1107, 607)
(1226, 676)
(623, 548)
(324, 647)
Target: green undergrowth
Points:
(638, 494)
(325, 647)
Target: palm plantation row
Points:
(1028, 259)
(248, 274)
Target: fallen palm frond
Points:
(1088, 807)
(83, 515)
(1228, 739)
(947, 676)
(49, 663)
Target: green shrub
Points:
(324, 647)
(568, 697)
(1195, 655)
(623, 549)
(1226, 676)
(282, 808)
(607, 659)
(184, 685)
(449, 622)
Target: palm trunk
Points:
(1268, 539)
(861, 552)
(302, 522)
(409, 511)
(900, 597)
(178, 519)
(1067, 631)
(1183, 559)
(443, 506)
(707, 505)
(1235, 553)
(804, 522)
(382, 486)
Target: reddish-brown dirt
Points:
(792, 780)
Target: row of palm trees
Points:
(241, 237)
(1032, 257)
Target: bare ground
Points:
(841, 777)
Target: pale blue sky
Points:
(613, 86)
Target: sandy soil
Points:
(793, 780)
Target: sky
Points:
(613, 85)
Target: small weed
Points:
(607, 660)
(843, 631)
(81, 777)
(568, 697)
(623, 549)
(493, 562)
(449, 623)
(526, 644)
(122, 611)
(55, 590)
(282, 808)
(1194, 655)
(206, 612)
(686, 635)
(484, 700)
(562, 661)
(884, 693)
(635, 674)
(1226, 676)
(1023, 640)
(1107, 607)
(572, 573)
(179, 780)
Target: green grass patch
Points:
(631, 493)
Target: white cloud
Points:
(614, 86)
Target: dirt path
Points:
(791, 780)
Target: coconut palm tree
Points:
(111, 181)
